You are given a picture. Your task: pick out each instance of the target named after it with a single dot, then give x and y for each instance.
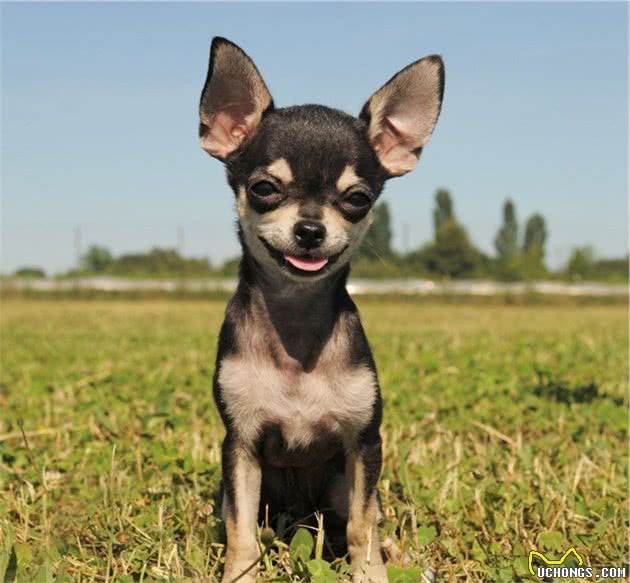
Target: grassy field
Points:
(505, 430)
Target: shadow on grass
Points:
(562, 392)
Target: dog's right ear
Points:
(233, 100)
(401, 115)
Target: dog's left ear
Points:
(233, 100)
(401, 115)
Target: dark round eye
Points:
(357, 199)
(263, 188)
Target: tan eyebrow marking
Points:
(281, 170)
(347, 179)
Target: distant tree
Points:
(34, 272)
(451, 254)
(97, 259)
(443, 211)
(161, 263)
(612, 270)
(530, 264)
(581, 263)
(535, 234)
(378, 240)
(230, 267)
(506, 241)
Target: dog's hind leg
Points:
(242, 478)
(363, 468)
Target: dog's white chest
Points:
(304, 405)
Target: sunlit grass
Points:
(505, 430)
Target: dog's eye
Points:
(357, 200)
(263, 188)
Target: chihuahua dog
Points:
(295, 381)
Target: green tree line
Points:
(519, 251)
(519, 254)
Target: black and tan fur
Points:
(295, 380)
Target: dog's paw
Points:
(239, 578)
(240, 573)
(370, 574)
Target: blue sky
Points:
(100, 116)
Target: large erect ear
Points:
(401, 115)
(233, 100)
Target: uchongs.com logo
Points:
(548, 568)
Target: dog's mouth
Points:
(305, 264)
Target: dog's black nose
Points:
(309, 234)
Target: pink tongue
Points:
(306, 264)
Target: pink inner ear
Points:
(387, 138)
(403, 112)
(394, 145)
(226, 132)
(407, 125)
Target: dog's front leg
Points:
(363, 467)
(241, 480)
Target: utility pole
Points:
(77, 245)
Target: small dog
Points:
(295, 381)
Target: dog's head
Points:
(306, 177)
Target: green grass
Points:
(505, 430)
